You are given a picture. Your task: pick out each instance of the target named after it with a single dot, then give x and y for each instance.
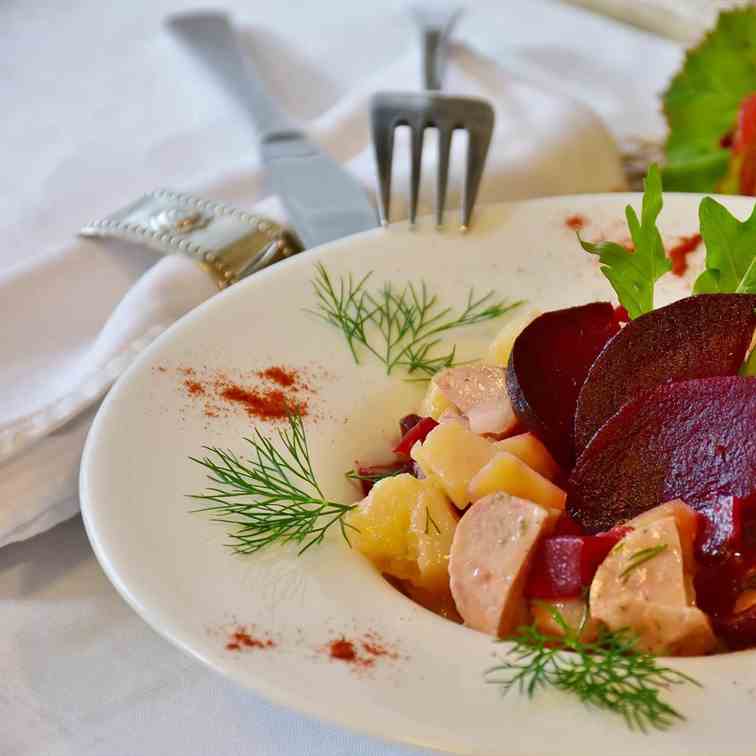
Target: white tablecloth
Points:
(91, 89)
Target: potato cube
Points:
(532, 452)
(501, 347)
(405, 527)
(434, 402)
(505, 472)
(452, 455)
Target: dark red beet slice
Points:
(416, 433)
(692, 440)
(549, 362)
(564, 565)
(696, 337)
(738, 630)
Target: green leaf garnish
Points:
(373, 477)
(609, 673)
(702, 102)
(633, 275)
(730, 251)
(270, 497)
(430, 521)
(641, 557)
(399, 327)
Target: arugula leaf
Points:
(730, 251)
(634, 274)
(702, 102)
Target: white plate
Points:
(173, 567)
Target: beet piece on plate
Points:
(565, 565)
(548, 364)
(693, 440)
(696, 337)
(408, 422)
(417, 432)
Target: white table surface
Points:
(91, 89)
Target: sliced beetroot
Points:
(738, 630)
(548, 364)
(692, 440)
(696, 337)
(416, 433)
(408, 422)
(728, 526)
(564, 565)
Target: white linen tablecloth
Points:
(88, 94)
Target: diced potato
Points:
(573, 612)
(452, 455)
(434, 403)
(501, 346)
(508, 473)
(532, 452)
(405, 527)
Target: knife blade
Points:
(322, 201)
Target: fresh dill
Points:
(638, 558)
(430, 521)
(609, 673)
(372, 477)
(270, 496)
(401, 327)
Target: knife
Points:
(323, 202)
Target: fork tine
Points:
(417, 132)
(480, 130)
(383, 143)
(444, 149)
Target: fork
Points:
(430, 109)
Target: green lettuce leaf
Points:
(701, 104)
(730, 251)
(633, 275)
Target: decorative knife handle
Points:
(230, 243)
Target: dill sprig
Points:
(270, 496)
(372, 477)
(640, 557)
(609, 673)
(401, 328)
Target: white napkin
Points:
(81, 314)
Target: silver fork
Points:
(429, 109)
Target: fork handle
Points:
(211, 37)
(436, 24)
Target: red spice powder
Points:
(241, 638)
(343, 649)
(194, 388)
(371, 648)
(678, 255)
(266, 405)
(252, 392)
(279, 375)
(576, 222)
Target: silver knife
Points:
(323, 202)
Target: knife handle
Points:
(211, 37)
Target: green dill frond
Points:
(610, 673)
(269, 496)
(400, 327)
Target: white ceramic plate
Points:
(173, 566)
